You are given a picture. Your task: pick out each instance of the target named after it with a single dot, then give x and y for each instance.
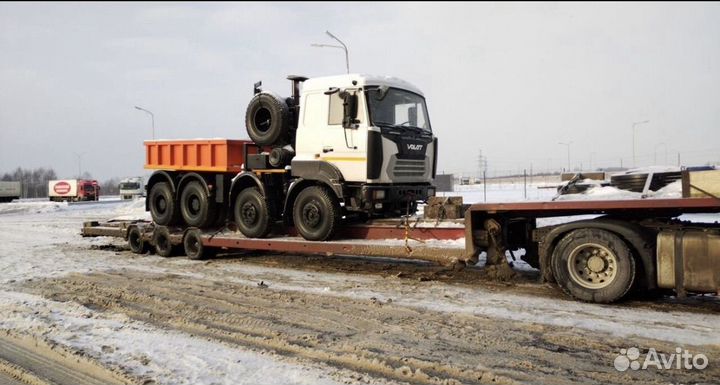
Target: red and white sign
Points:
(62, 188)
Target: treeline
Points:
(35, 182)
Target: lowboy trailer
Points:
(629, 245)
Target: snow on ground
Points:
(146, 350)
(41, 239)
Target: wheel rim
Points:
(262, 119)
(135, 240)
(193, 245)
(193, 205)
(163, 243)
(160, 204)
(311, 215)
(592, 266)
(249, 214)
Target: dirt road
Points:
(30, 360)
(362, 339)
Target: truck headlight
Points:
(378, 195)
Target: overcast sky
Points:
(510, 80)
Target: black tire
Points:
(252, 213)
(603, 265)
(279, 157)
(316, 213)
(163, 206)
(631, 182)
(163, 243)
(196, 207)
(136, 241)
(267, 119)
(194, 249)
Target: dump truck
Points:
(339, 149)
(10, 190)
(338, 170)
(73, 190)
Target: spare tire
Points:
(268, 120)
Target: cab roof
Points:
(343, 81)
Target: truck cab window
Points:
(335, 111)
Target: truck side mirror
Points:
(350, 109)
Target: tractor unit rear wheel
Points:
(316, 213)
(163, 206)
(594, 265)
(196, 206)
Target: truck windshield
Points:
(129, 186)
(397, 108)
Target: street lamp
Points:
(152, 117)
(635, 124)
(568, 152)
(341, 46)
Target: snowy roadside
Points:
(41, 240)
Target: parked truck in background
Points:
(10, 190)
(131, 188)
(73, 190)
(342, 148)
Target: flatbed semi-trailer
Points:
(631, 244)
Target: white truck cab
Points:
(131, 188)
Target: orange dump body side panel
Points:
(215, 155)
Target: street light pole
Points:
(342, 46)
(568, 152)
(635, 124)
(152, 118)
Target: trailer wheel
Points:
(163, 206)
(163, 243)
(194, 248)
(316, 214)
(267, 119)
(594, 265)
(195, 205)
(136, 241)
(252, 214)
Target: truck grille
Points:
(409, 168)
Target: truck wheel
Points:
(316, 214)
(593, 265)
(252, 214)
(136, 241)
(195, 205)
(194, 248)
(163, 207)
(267, 119)
(163, 244)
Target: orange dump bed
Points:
(216, 155)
